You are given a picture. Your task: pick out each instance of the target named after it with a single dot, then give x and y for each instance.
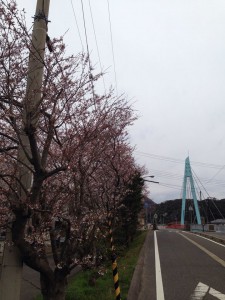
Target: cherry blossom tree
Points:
(78, 156)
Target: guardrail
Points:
(208, 227)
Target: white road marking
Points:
(216, 294)
(200, 291)
(212, 255)
(158, 274)
(203, 237)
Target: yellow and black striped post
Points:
(114, 264)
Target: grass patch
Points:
(103, 289)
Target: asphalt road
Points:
(183, 267)
(173, 265)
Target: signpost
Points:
(146, 206)
(203, 223)
(190, 210)
(155, 222)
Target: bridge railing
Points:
(208, 227)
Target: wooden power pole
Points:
(12, 266)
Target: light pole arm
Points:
(151, 181)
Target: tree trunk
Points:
(53, 288)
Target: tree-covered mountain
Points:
(170, 210)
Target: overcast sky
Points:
(170, 60)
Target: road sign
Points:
(202, 290)
(190, 208)
(155, 216)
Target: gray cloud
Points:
(170, 56)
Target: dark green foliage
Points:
(149, 209)
(169, 211)
(212, 209)
(127, 221)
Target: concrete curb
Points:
(135, 286)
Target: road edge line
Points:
(158, 273)
(212, 255)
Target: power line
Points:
(85, 31)
(96, 42)
(217, 208)
(172, 186)
(165, 174)
(174, 160)
(172, 176)
(78, 29)
(217, 173)
(114, 64)
(211, 198)
(88, 52)
(200, 182)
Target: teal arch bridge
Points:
(188, 176)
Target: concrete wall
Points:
(208, 227)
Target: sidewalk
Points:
(30, 287)
(136, 290)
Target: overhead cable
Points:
(113, 55)
(217, 173)
(175, 160)
(96, 42)
(88, 52)
(78, 29)
(160, 173)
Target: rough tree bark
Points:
(53, 287)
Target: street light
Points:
(146, 205)
(150, 181)
(151, 176)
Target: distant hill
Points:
(170, 210)
(149, 201)
(212, 209)
(149, 208)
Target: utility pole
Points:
(12, 265)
